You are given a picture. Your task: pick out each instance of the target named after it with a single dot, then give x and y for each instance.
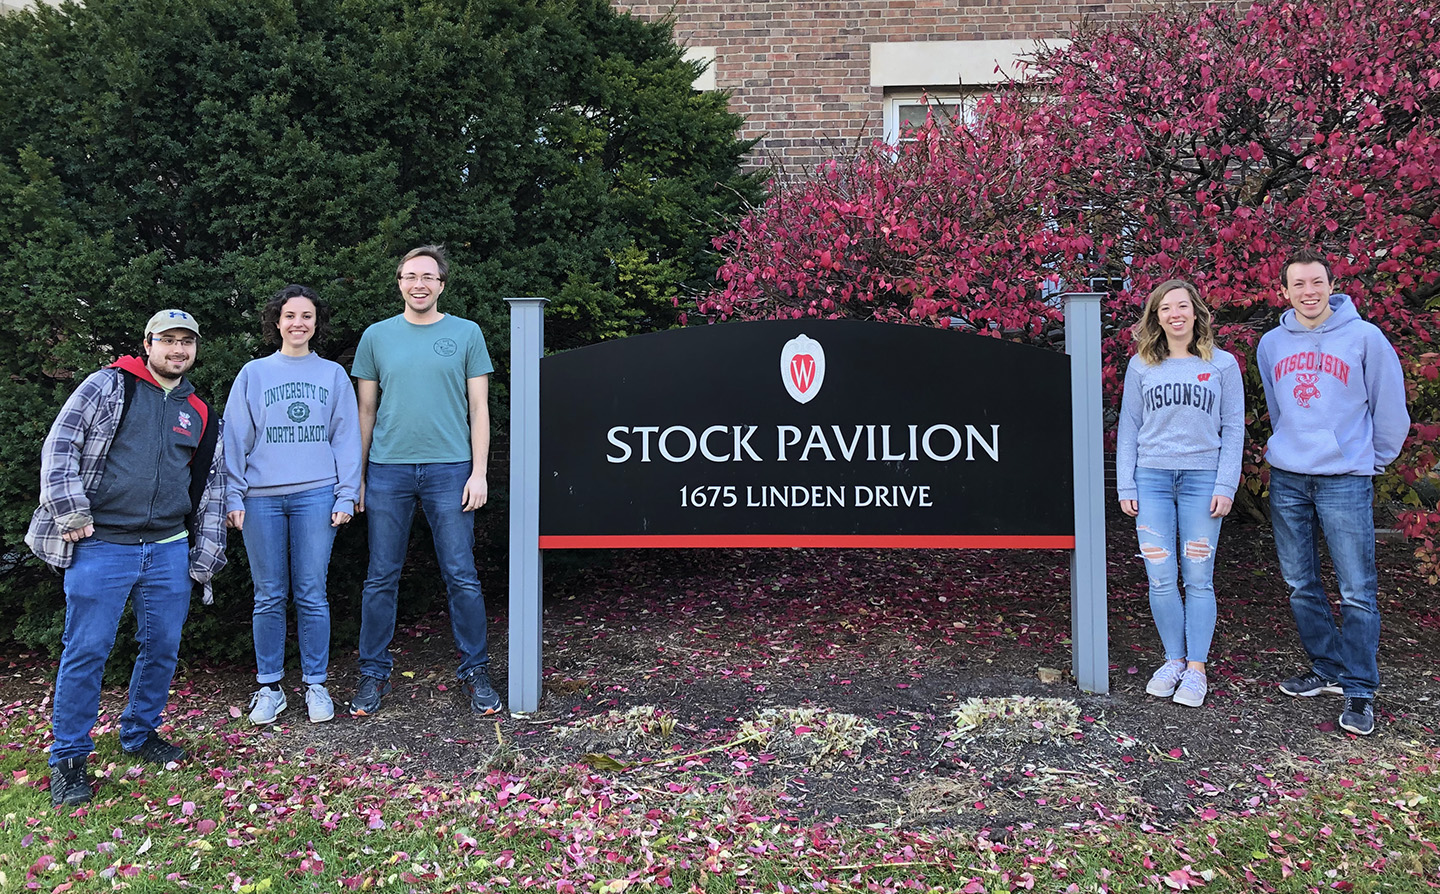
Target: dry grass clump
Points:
(1016, 718)
(639, 724)
(816, 733)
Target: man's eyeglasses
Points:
(428, 279)
(166, 341)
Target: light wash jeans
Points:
(288, 540)
(1174, 522)
(1343, 508)
(391, 492)
(103, 577)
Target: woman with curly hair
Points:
(1182, 427)
(292, 468)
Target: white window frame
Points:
(962, 100)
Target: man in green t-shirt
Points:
(423, 382)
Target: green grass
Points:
(270, 821)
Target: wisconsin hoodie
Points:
(1336, 395)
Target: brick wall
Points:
(800, 70)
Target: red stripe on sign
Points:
(898, 541)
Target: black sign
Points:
(806, 433)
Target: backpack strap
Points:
(129, 381)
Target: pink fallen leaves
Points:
(40, 865)
(1183, 879)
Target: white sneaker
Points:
(1166, 677)
(317, 700)
(1192, 689)
(265, 704)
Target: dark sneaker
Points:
(70, 783)
(155, 750)
(368, 695)
(483, 697)
(1358, 716)
(1310, 684)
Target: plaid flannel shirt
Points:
(72, 461)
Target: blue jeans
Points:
(1343, 508)
(288, 540)
(391, 492)
(103, 577)
(1176, 504)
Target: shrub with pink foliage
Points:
(1200, 143)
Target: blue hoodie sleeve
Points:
(239, 439)
(1265, 359)
(1232, 425)
(1127, 435)
(1385, 386)
(345, 442)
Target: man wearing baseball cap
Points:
(132, 490)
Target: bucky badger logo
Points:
(1306, 390)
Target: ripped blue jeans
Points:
(1174, 523)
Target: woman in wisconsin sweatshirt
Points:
(1177, 459)
(292, 467)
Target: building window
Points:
(907, 111)
(952, 74)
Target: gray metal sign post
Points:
(1089, 630)
(527, 345)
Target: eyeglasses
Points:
(166, 341)
(428, 279)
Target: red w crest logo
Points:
(802, 371)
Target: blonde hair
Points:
(1150, 341)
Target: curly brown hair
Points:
(270, 314)
(1150, 341)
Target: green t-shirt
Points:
(424, 414)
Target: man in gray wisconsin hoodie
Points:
(1336, 395)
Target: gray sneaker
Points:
(265, 704)
(1192, 689)
(1163, 682)
(319, 703)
